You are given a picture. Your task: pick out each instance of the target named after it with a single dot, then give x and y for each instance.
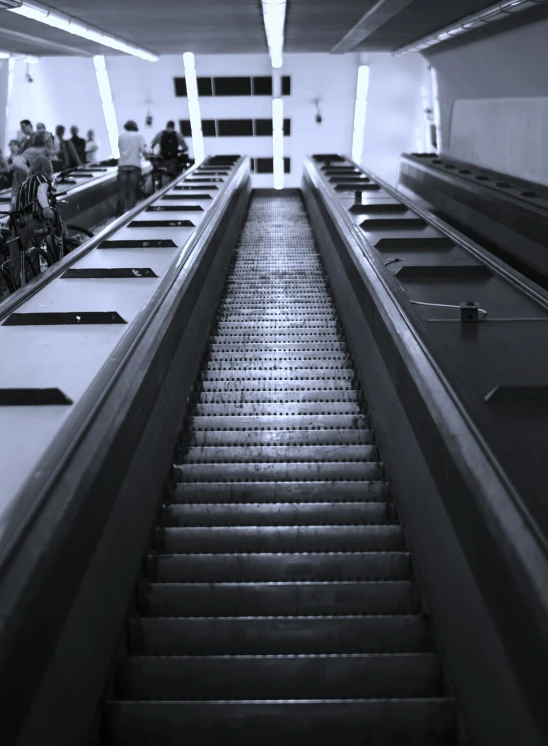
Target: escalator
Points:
(277, 603)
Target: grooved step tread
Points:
(278, 437)
(379, 722)
(222, 539)
(278, 514)
(372, 490)
(303, 566)
(302, 598)
(279, 635)
(276, 677)
(279, 453)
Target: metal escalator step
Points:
(244, 599)
(248, 567)
(268, 397)
(373, 489)
(276, 408)
(278, 677)
(272, 358)
(279, 422)
(268, 454)
(279, 437)
(338, 346)
(278, 385)
(279, 635)
(367, 722)
(275, 472)
(279, 514)
(268, 539)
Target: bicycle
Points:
(47, 244)
(161, 174)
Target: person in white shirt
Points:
(92, 146)
(132, 146)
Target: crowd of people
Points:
(38, 154)
(64, 152)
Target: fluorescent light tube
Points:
(274, 23)
(194, 107)
(278, 142)
(360, 112)
(42, 14)
(108, 105)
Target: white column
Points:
(108, 105)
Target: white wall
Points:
(64, 91)
(138, 86)
(395, 112)
(494, 101)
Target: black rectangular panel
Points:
(357, 187)
(33, 398)
(206, 180)
(103, 273)
(263, 127)
(287, 127)
(235, 127)
(412, 244)
(444, 271)
(174, 208)
(185, 128)
(162, 224)
(379, 209)
(262, 86)
(286, 85)
(187, 196)
(187, 187)
(180, 87)
(232, 86)
(140, 243)
(264, 165)
(71, 318)
(209, 128)
(394, 224)
(287, 165)
(204, 87)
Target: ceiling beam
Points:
(40, 42)
(381, 12)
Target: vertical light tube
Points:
(194, 107)
(9, 93)
(436, 107)
(108, 105)
(360, 113)
(278, 142)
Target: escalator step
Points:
(265, 599)
(278, 454)
(278, 677)
(278, 472)
(266, 396)
(278, 514)
(279, 437)
(371, 490)
(379, 722)
(279, 635)
(276, 539)
(249, 567)
(278, 422)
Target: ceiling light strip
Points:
(278, 142)
(194, 107)
(64, 22)
(9, 95)
(360, 113)
(108, 105)
(496, 12)
(274, 23)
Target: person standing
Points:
(79, 143)
(26, 133)
(42, 145)
(132, 146)
(64, 154)
(171, 144)
(92, 146)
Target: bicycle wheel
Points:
(39, 260)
